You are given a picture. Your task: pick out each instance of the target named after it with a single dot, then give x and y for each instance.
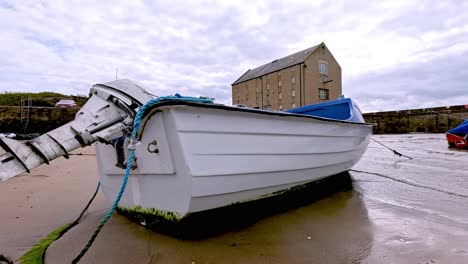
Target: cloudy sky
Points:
(394, 54)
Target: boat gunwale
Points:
(172, 102)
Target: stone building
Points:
(309, 76)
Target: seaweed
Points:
(152, 213)
(36, 254)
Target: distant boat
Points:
(193, 157)
(458, 137)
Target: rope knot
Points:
(133, 143)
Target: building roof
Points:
(277, 65)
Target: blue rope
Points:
(136, 125)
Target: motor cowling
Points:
(107, 115)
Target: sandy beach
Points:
(398, 211)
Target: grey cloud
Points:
(436, 83)
(429, 16)
(200, 48)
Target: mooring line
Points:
(411, 183)
(133, 143)
(5, 259)
(36, 254)
(394, 151)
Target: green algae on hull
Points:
(198, 225)
(149, 216)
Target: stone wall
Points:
(429, 120)
(41, 119)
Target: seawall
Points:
(38, 120)
(428, 120)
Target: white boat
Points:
(194, 157)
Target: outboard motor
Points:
(106, 117)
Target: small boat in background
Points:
(458, 137)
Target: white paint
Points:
(221, 157)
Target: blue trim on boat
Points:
(342, 109)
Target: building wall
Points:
(281, 90)
(314, 80)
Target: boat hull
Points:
(457, 141)
(458, 137)
(211, 157)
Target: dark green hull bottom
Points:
(211, 222)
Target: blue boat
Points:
(343, 109)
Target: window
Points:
(268, 86)
(293, 79)
(279, 83)
(293, 93)
(267, 107)
(280, 107)
(323, 67)
(257, 89)
(238, 94)
(279, 95)
(293, 105)
(323, 94)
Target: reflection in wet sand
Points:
(335, 229)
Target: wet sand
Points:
(33, 205)
(399, 211)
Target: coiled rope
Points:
(133, 143)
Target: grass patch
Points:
(36, 254)
(38, 99)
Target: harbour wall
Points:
(36, 120)
(426, 120)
